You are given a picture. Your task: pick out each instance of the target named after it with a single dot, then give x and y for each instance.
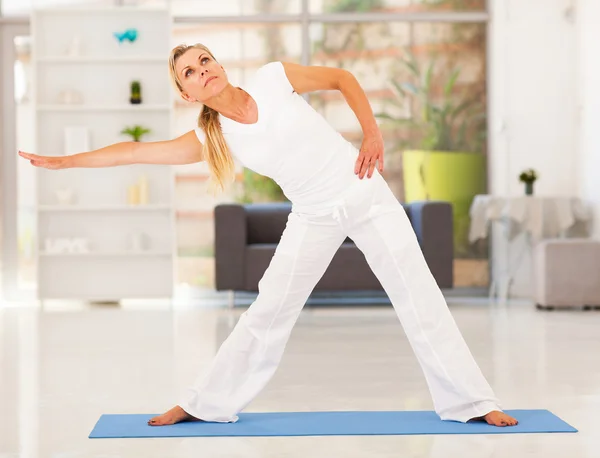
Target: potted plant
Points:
(442, 142)
(259, 188)
(136, 93)
(136, 132)
(528, 177)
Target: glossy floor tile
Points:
(64, 366)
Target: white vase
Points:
(65, 196)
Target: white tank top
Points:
(291, 142)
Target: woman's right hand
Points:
(47, 162)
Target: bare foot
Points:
(497, 418)
(175, 415)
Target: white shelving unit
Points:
(75, 52)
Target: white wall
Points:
(588, 18)
(531, 89)
(533, 107)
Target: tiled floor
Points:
(62, 367)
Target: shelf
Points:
(194, 214)
(86, 10)
(96, 108)
(102, 59)
(119, 254)
(99, 208)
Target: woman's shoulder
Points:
(271, 67)
(272, 75)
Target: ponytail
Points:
(215, 151)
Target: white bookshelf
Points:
(99, 70)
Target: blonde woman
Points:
(336, 191)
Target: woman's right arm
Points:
(185, 149)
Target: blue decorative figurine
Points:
(129, 34)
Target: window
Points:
(380, 55)
(394, 6)
(378, 40)
(234, 7)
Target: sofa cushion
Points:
(266, 222)
(348, 269)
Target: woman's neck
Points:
(236, 104)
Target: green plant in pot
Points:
(528, 177)
(136, 93)
(136, 132)
(259, 188)
(442, 142)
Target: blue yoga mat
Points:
(327, 424)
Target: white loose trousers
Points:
(374, 219)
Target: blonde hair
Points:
(215, 150)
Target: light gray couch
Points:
(246, 237)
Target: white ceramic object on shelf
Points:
(74, 47)
(76, 245)
(139, 241)
(65, 196)
(70, 97)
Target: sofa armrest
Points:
(432, 222)
(230, 246)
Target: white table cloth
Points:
(541, 217)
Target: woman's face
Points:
(200, 75)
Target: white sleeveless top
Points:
(291, 143)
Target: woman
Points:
(271, 129)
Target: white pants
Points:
(374, 219)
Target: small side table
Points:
(532, 217)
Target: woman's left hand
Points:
(371, 153)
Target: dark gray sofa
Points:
(246, 237)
